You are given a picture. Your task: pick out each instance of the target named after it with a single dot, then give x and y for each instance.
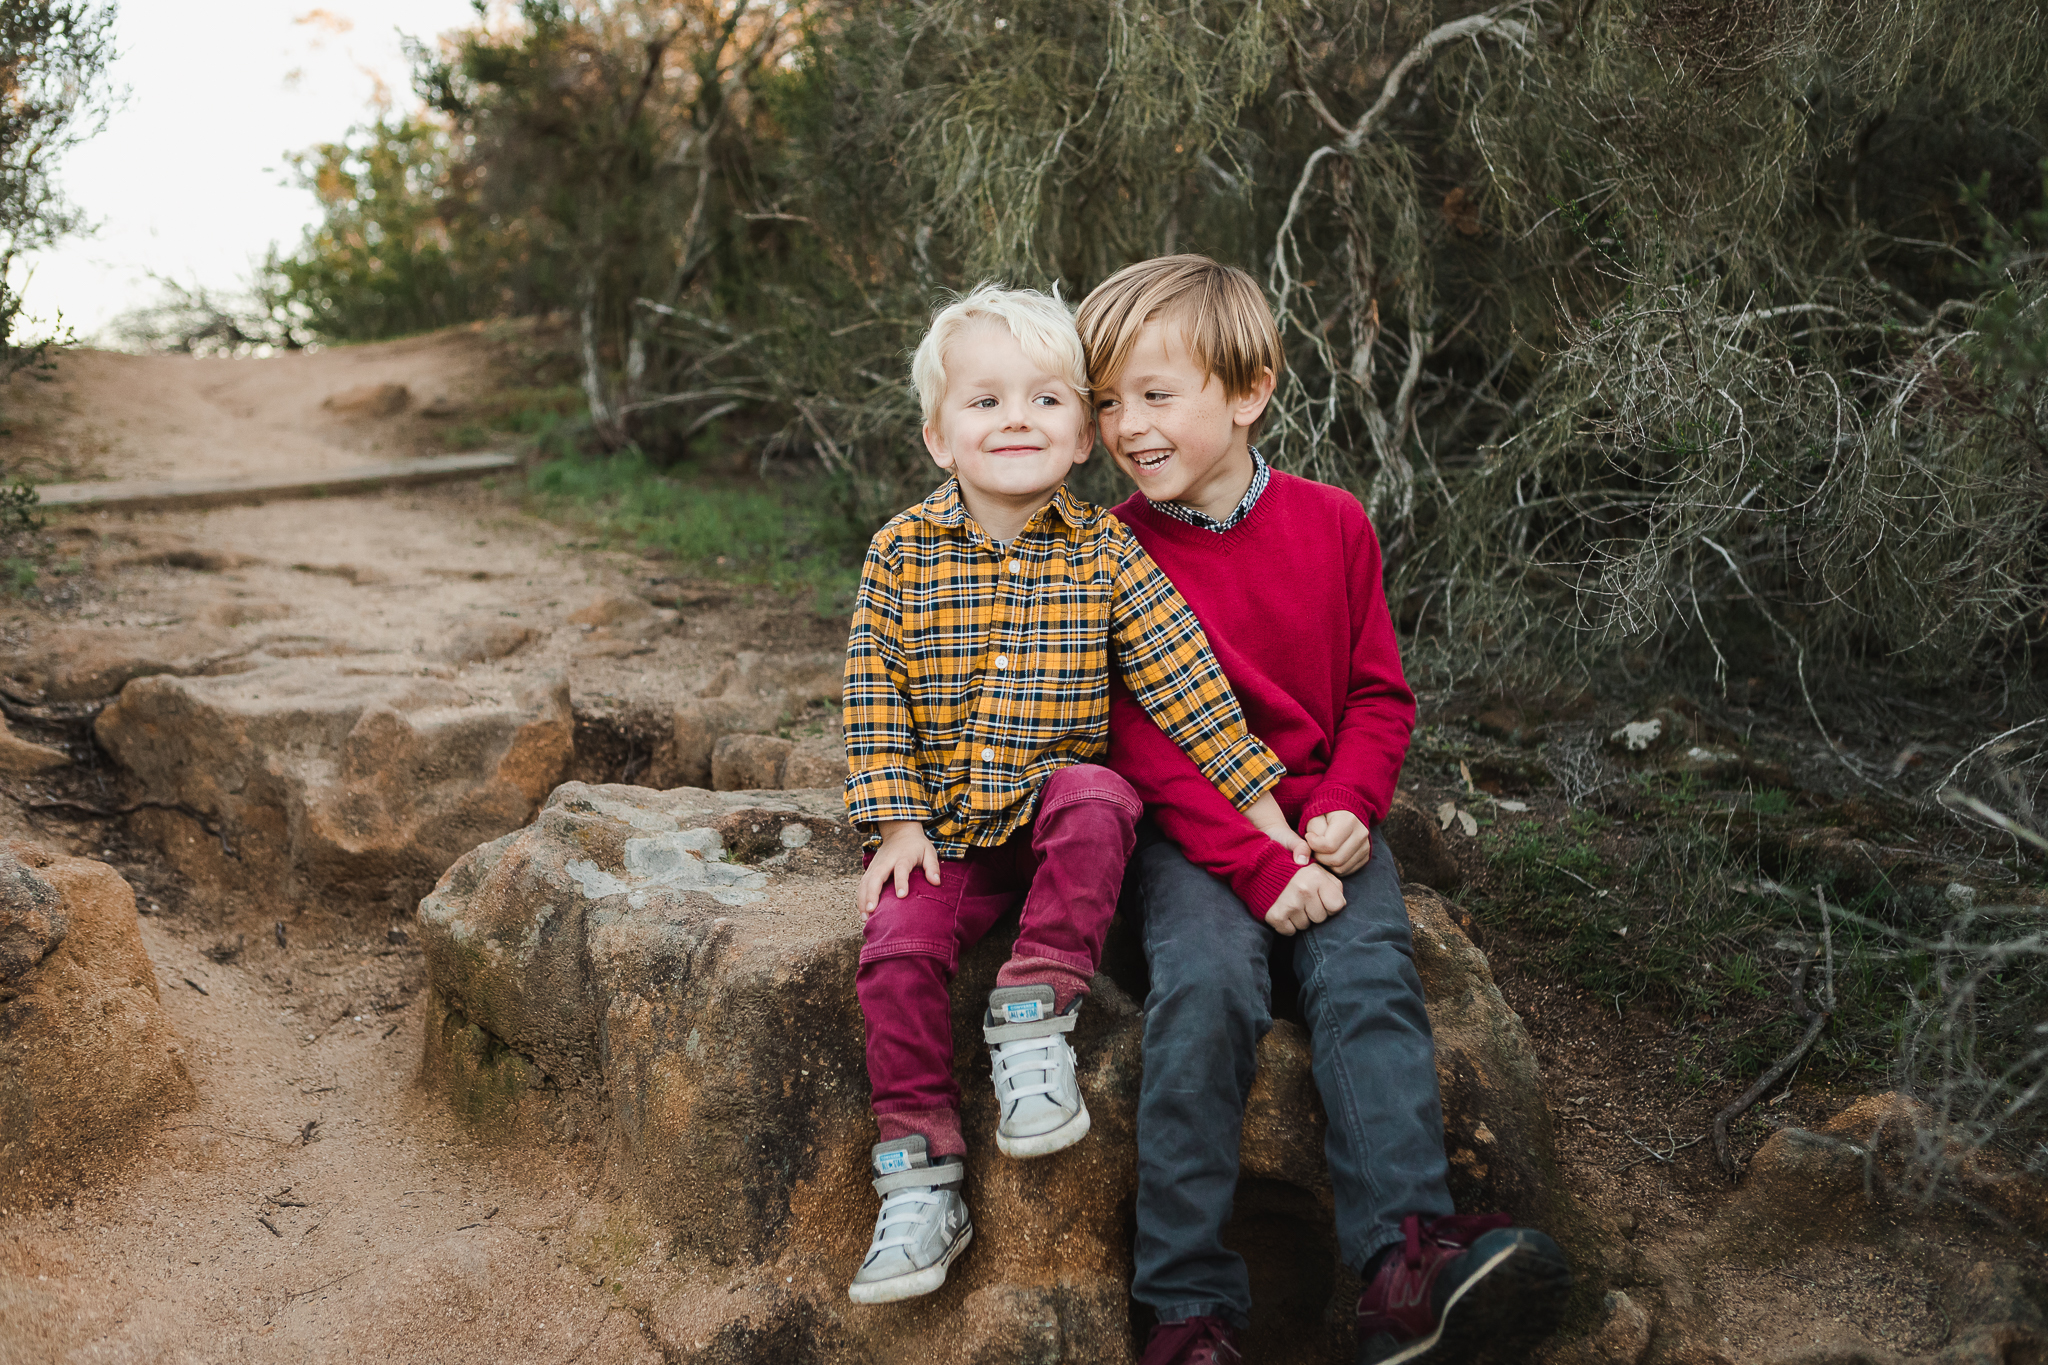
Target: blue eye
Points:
(1050, 400)
(983, 403)
(1154, 395)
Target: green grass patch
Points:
(793, 537)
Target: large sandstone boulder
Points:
(306, 781)
(86, 1056)
(671, 975)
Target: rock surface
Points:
(749, 696)
(86, 1057)
(671, 975)
(337, 785)
(24, 758)
(85, 662)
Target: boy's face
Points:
(1008, 429)
(1171, 427)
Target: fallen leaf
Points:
(1467, 823)
(1446, 813)
(1465, 771)
(1516, 806)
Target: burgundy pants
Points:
(1068, 866)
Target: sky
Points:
(191, 177)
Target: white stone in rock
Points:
(678, 860)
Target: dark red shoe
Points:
(1462, 1284)
(1193, 1341)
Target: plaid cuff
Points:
(1244, 770)
(891, 792)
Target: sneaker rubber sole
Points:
(917, 1282)
(1521, 1285)
(1045, 1144)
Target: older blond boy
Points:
(1285, 576)
(989, 620)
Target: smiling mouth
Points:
(1151, 459)
(1015, 450)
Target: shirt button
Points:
(988, 755)
(1016, 566)
(1002, 661)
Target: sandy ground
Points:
(105, 414)
(314, 1204)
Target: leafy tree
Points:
(403, 244)
(53, 96)
(1634, 323)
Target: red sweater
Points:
(1293, 603)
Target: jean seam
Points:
(1354, 1122)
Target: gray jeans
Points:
(1209, 1004)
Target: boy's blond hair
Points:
(1043, 326)
(1221, 312)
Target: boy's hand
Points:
(1342, 842)
(1265, 816)
(1312, 897)
(904, 846)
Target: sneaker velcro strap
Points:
(1037, 1028)
(922, 1177)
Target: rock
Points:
(612, 609)
(369, 400)
(23, 758)
(1624, 1338)
(750, 694)
(816, 763)
(482, 641)
(86, 662)
(1421, 852)
(1866, 1257)
(32, 924)
(1497, 1129)
(332, 784)
(86, 1055)
(672, 973)
(698, 724)
(748, 762)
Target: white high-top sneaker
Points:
(1039, 1108)
(922, 1228)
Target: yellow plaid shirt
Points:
(976, 670)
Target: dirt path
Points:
(314, 1204)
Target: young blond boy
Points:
(989, 619)
(1285, 576)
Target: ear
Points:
(1252, 405)
(936, 444)
(1085, 443)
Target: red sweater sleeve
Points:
(1190, 811)
(1379, 709)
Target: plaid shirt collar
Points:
(944, 508)
(1261, 474)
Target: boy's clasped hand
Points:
(1033, 704)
